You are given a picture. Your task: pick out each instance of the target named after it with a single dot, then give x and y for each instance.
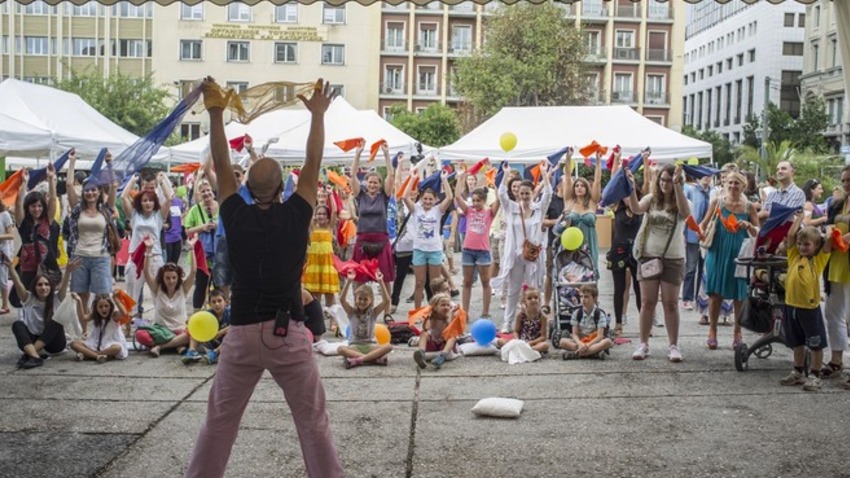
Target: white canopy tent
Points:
(288, 130)
(542, 131)
(17, 137)
(68, 121)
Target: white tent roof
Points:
(70, 121)
(542, 131)
(17, 137)
(290, 128)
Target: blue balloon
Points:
(483, 331)
(348, 332)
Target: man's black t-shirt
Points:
(556, 208)
(267, 249)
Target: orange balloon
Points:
(382, 334)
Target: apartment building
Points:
(633, 58)
(823, 71)
(39, 42)
(242, 46)
(737, 58)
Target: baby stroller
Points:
(763, 308)
(570, 271)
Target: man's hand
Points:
(51, 172)
(320, 100)
(213, 99)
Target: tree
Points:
(807, 134)
(533, 56)
(437, 125)
(722, 151)
(750, 158)
(134, 103)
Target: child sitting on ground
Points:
(590, 324)
(220, 308)
(106, 340)
(802, 321)
(531, 324)
(433, 345)
(362, 346)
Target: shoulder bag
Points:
(653, 268)
(711, 229)
(530, 251)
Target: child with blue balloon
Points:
(531, 324)
(437, 343)
(363, 315)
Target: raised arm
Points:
(51, 192)
(567, 183)
(69, 181)
(449, 199)
(165, 184)
(635, 205)
(19, 202)
(384, 306)
(66, 277)
(389, 183)
(23, 293)
(113, 187)
(343, 294)
(318, 103)
(355, 166)
(126, 200)
(596, 188)
(150, 280)
(460, 186)
(219, 148)
(81, 309)
(679, 190)
(795, 227)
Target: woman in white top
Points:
(169, 289)
(514, 270)
(427, 241)
(147, 219)
(661, 235)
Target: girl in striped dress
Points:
(320, 277)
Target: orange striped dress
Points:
(320, 276)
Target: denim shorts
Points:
(471, 257)
(222, 272)
(421, 258)
(94, 275)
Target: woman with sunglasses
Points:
(88, 224)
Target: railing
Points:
(427, 47)
(460, 48)
(463, 7)
(389, 6)
(596, 54)
(596, 96)
(594, 11)
(394, 46)
(627, 54)
(392, 89)
(422, 92)
(652, 97)
(660, 11)
(654, 54)
(627, 11)
(625, 96)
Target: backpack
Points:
(565, 329)
(400, 332)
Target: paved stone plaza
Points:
(140, 417)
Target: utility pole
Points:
(765, 132)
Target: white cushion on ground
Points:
(328, 348)
(498, 407)
(473, 348)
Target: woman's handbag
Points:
(530, 251)
(113, 239)
(371, 249)
(654, 267)
(710, 231)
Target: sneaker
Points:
(793, 378)
(438, 361)
(21, 361)
(409, 300)
(190, 357)
(656, 322)
(813, 384)
(625, 319)
(211, 357)
(600, 355)
(347, 363)
(674, 355)
(101, 359)
(846, 385)
(688, 305)
(79, 357)
(570, 355)
(641, 352)
(455, 293)
(382, 361)
(419, 357)
(32, 362)
(413, 342)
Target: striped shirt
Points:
(792, 196)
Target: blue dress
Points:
(586, 222)
(720, 260)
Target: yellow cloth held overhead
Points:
(255, 101)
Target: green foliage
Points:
(134, 103)
(751, 136)
(721, 147)
(533, 56)
(750, 158)
(825, 168)
(437, 125)
(804, 133)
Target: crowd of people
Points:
(672, 242)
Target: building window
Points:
(4, 45)
(238, 12)
(338, 89)
(718, 99)
(625, 39)
(192, 12)
(190, 50)
(751, 91)
(190, 131)
(801, 20)
(789, 20)
(592, 40)
(428, 36)
(238, 50)
(84, 47)
(727, 118)
(701, 73)
(333, 54)
(387, 115)
(817, 15)
(286, 13)
(741, 59)
(37, 8)
(710, 108)
(728, 63)
(333, 15)
(286, 53)
(710, 71)
(834, 53)
(131, 48)
(394, 40)
(128, 10)
(815, 56)
(752, 54)
(89, 9)
(792, 48)
(656, 119)
(656, 89)
(622, 87)
(462, 38)
(719, 67)
(427, 84)
(393, 79)
(739, 100)
(37, 46)
(237, 86)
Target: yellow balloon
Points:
(382, 334)
(693, 161)
(572, 238)
(203, 326)
(507, 141)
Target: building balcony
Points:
(427, 48)
(623, 96)
(389, 8)
(596, 97)
(627, 54)
(596, 55)
(628, 11)
(659, 11)
(430, 8)
(656, 98)
(463, 9)
(392, 89)
(426, 93)
(591, 12)
(460, 49)
(659, 55)
(393, 47)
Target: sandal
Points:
(831, 370)
(703, 320)
(618, 330)
(712, 344)
(738, 340)
(4, 311)
(726, 322)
